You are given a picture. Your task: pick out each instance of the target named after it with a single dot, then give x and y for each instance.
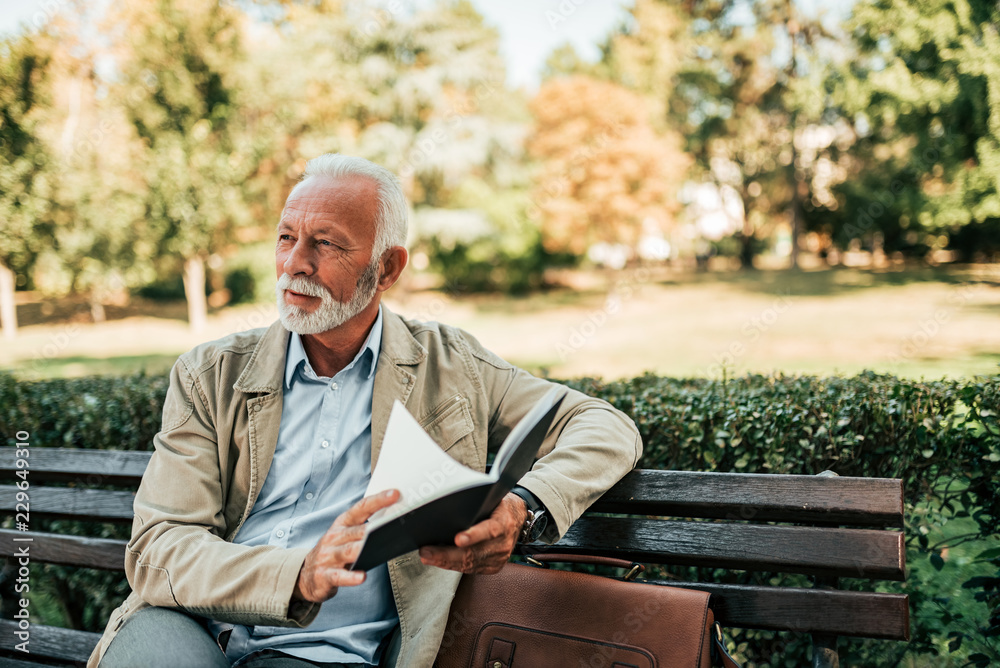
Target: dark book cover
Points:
(437, 520)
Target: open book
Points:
(438, 496)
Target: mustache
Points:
(302, 285)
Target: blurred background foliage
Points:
(146, 144)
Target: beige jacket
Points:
(220, 428)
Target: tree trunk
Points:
(747, 250)
(793, 26)
(796, 216)
(8, 308)
(795, 185)
(194, 290)
(747, 234)
(97, 312)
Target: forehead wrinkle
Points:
(354, 192)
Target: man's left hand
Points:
(485, 547)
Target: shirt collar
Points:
(297, 359)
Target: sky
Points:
(529, 29)
(15, 12)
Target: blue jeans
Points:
(165, 638)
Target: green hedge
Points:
(101, 412)
(941, 437)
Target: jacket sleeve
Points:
(177, 556)
(590, 447)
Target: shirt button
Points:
(309, 495)
(279, 533)
(325, 444)
(334, 386)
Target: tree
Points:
(727, 75)
(924, 93)
(180, 68)
(96, 203)
(422, 92)
(564, 61)
(25, 183)
(418, 91)
(606, 175)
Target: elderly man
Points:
(251, 511)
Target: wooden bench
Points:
(826, 527)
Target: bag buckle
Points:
(634, 572)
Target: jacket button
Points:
(256, 408)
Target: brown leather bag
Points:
(533, 617)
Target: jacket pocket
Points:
(449, 422)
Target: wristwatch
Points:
(537, 519)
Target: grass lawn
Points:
(926, 322)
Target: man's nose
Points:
(299, 261)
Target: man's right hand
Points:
(325, 566)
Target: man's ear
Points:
(393, 261)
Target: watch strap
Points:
(537, 518)
(530, 500)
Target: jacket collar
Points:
(398, 344)
(266, 369)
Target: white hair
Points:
(392, 214)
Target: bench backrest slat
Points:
(95, 467)
(855, 553)
(70, 502)
(14, 663)
(758, 497)
(846, 613)
(47, 548)
(50, 641)
(849, 613)
(828, 552)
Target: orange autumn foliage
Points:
(606, 174)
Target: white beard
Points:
(330, 313)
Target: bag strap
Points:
(547, 557)
(720, 655)
(542, 559)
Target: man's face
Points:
(323, 259)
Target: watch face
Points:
(537, 525)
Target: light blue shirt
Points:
(321, 466)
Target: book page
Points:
(412, 462)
